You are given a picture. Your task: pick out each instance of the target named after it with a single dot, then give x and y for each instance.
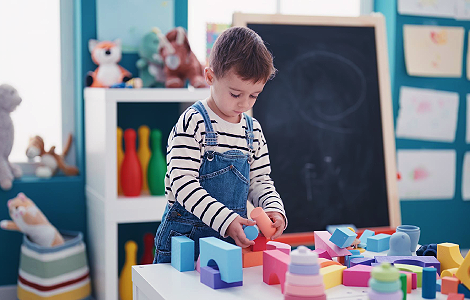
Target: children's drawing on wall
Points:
(430, 8)
(426, 174)
(462, 10)
(427, 114)
(466, 177)
(433, 51)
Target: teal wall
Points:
(440, 220)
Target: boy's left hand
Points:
(278, 223)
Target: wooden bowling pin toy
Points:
(157, 165)
(147, 256)
(144, 153)
(120, 158)
(125, 279)
(131, 172)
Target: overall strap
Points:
(211, 136)
(249, 131)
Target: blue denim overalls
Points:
(225, 176)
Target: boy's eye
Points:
(253, 97)
(234, 96)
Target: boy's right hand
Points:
(235, 231)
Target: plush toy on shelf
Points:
(180, 62)
(9, 100)
(28, 219)
(150, 64)
(106, 55)
(50, 161)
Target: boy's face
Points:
(230, 95)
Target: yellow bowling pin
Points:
(120, 158)
(125, 279)
(144, 153)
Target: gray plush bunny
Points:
(9, 100)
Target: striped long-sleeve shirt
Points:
(184, 158)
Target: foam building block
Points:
(322, 241)
(292, 297)
(404, 284)
(409, 281)
(251, 232)
(304, 291)
(438, 285)
(251, 258)
(348, 259)
(304, 280)
(385, 283)
(198, 264)
(228, 258)
(449, 255)
(210, 276)
(343, 237)
(332, 228)
(322, 253)
(182, 253)
(378, 243)
(449, 272)
(362, 261)
(303, 256)
(422, 261)
(462, 289)
(363, 238)
(263, 222)
(358, 275)
(455, 296)
(463, 273)
(272, 245)
(414, 279)
(275, 265)
(260, 243)
(323, 262)
(449, 285)
(428, 290)
(414, 269)
(332, 275)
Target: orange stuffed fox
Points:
(106, 55)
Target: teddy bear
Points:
(28, 219)
(180, 62)
(9, 100)
(150, 63)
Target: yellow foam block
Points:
(449, 272)
(463, 273)
(332, 275)
(449, 256)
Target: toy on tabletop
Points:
(343, 237)
(404, 285)
(413, 269)
(148, 254)
(413, 278)
(347, 259)
(449, 285)
(9, 100)
(157, 165)
(357, 241)
(367, 261)
(322, 241)
(399, 245)
(414, 233)
(331, 228)
(131, 173)
(427, 250)
(332, 275)
(134, 83)
(363, 238)
(326, 262)
(228, 258)
(273, 245)
(428, 290)
(275, 266)
(462, 289)
(455, 296)
(463, 273)
(27, 218)
(50, 162)
(385, 283)
(263, 222)
(182, 253)
(120, 158)
(260, 243)
(144, 153)
(358, 275)
(251, 258)
(180, 63)
(251, 232)
(150, 63)
(424, 261)
(106, 55)
(449, 272)
(449, 255)
(210, 276)
(378, 243)
(125, 278)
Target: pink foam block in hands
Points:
(263, 222)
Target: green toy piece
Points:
(150, 64)
(157, 165)
(385, 272)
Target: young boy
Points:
(217, 156)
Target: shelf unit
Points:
(105, 209)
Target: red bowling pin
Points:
(147, 256)
(131, 172)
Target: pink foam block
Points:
(275, 265)
(260, 243)
(272, 245)
(414, 279)
(322, 241)
(198, 265)
(322, 253)
(358, 275)
(455, 296)
(305, 291)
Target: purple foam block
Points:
(362, 261)
(421, 261)
(210, 276)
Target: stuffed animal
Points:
(9, 100)
(180, 61)
(28, 218)
(106, 55)
(50, 161)
(150, 64)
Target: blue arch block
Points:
(228, 258)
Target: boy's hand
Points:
(278, 223)
(235, 231)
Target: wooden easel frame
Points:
(377, 21)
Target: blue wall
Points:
(440, 220)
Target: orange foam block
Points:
(251, 258)
(455, 296)
(358, 275)
(260, 243)
(414, 279)
(323, 262)
(463, 273)
(263, 222)
(272, 245)
(332, 275)
(449, 285)
(275, 266)
(322, 241)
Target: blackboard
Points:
(327, 120)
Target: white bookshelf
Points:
(105, 209)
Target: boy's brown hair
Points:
(243, 50)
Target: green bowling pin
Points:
(157, 165)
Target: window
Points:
(202, 12)
(30, 60)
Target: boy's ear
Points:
(209, 75)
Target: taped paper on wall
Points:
(462, 10)
(433, 51)
(468, 119)
(429, 8)
(427, 114)
(426, 174)
(466, 177)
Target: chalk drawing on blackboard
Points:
(315, 81)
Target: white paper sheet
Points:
(430, 8)
(468, 57)
(433, 51)
(427, 114)
(466, 177)
(468, 119)
(462, 9)
(426, 174)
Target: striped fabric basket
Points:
(54, 273)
